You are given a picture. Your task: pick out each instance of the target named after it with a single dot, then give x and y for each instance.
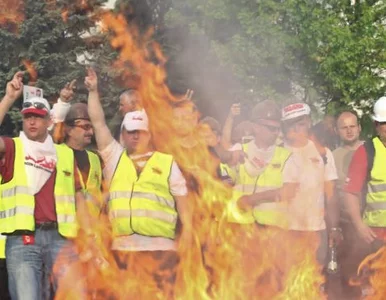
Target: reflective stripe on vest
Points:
(269, 179)
(17, 203)
(143, 204)
(149, 196)
(375, 211)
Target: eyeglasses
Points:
(273, 129)
(37, 105)
(85, 127)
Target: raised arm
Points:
(103, 135)
(12, 93)
(226, 138)
(62, 106)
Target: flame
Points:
(372, 272)
(223, 260)
(11, 12)
(30, 68)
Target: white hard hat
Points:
(380, 110)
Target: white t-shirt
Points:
(306, 168)
(177, 184)
(59, 111)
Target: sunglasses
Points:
(85, 127)
(37, 105)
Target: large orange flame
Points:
(224, 261)
(30, 68)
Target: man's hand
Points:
(335, 237)
(234, 111)
(238, 157)
(245, 203)
(189, 94)
(15, 86)
(67, 93)
(91, 80)
(365, 232)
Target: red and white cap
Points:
(135, 120)
(295, 110)
(37, 106)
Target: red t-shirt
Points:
(356, 179)
(44, 199)
(357, 172)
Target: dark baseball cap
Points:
(266, 110)
(78, 111)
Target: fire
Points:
(30, 68)
(224, 260)
(372, 272)
(11, 12)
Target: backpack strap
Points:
(370, 153)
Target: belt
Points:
(46, 225)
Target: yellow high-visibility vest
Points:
(2, 239)
(92, 188)
(273, 213)
(143, 205)
(2, 246)
(17, 202)
(375, 210)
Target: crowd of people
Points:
(283, 173)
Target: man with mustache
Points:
(78, 136)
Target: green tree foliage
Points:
(334, 51)
(50, 35)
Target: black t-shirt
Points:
(83, 163)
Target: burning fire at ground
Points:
(223, 260)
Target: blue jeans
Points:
(25, 263)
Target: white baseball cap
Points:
(135, 120)
(36, 105)
(295, 110)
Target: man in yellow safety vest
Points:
(39, 201)
(147, 191)
(366, 185)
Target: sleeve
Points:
(357, 172)
(291, 170)
(110, 156)
(59, 111)
(7, 159)
(330, 172)
(177, 182)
